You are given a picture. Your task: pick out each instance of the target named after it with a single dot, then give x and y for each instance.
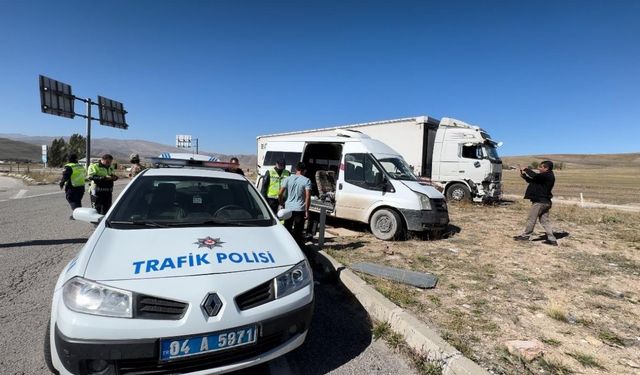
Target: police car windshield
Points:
(168, 201)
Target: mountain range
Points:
(23, 147)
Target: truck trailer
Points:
(459, 158)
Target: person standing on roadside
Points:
(236, 166)
(539, 192)
(136, 167)
(73, 180)
(297, 189)
(272, 182)
(102, 176)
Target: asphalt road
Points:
(37, 239)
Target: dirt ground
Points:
(580, 299)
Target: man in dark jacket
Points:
(539, 193)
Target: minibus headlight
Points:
(425, 202)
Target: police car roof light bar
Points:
(180, 163)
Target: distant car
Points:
(189, 272)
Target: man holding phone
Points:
(539, 193)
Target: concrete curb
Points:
(417, 335)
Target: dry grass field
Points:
(581, 299)
(612, 178)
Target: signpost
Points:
(57, 99)
(184, 141)
(44, 155)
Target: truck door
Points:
(358, 186)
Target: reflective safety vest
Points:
(78, 174)
(97, 170)
(275, 181)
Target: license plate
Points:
(195, 345)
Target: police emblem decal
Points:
(209, 242)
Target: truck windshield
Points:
(491, 152)
(397, 168)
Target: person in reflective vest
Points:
(73, 180)
(102, 175)
(271, 183)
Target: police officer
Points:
(73, 179)
(272, 182)
(102, 175)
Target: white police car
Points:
(188, 272)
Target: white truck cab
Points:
(466, 162)
(360, 178)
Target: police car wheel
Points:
(47, 350)
(385, 224)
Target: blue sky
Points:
(542, 76)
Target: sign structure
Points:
(56, 98)
(112, 113)
(44, 154)
(183, 141)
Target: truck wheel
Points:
(47, 350)
(458, 192)
(385, 224)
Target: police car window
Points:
(184, 201)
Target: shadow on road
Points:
(44, 242)
(340, 331)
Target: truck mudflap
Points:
(421, 220)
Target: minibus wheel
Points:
(385, 224)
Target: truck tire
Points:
(47, 350)
(458, 192)
(386, 224)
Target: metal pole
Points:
(323, 218)
(88, 133)
(196, 146)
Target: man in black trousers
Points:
(539, 192)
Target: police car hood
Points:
(121, 254)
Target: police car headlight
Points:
(293, 280)
(89, 297)
(425, 202)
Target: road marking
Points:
(30, 196)
(20, 194)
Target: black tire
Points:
(386, 224)
(458, 192)
(47, 350)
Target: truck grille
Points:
(257, 296)
(148, 307)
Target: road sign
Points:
(112, 113)
(56, 97)
(183, 141)
(44, 154)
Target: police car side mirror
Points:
(88, 215)
(284, 214)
